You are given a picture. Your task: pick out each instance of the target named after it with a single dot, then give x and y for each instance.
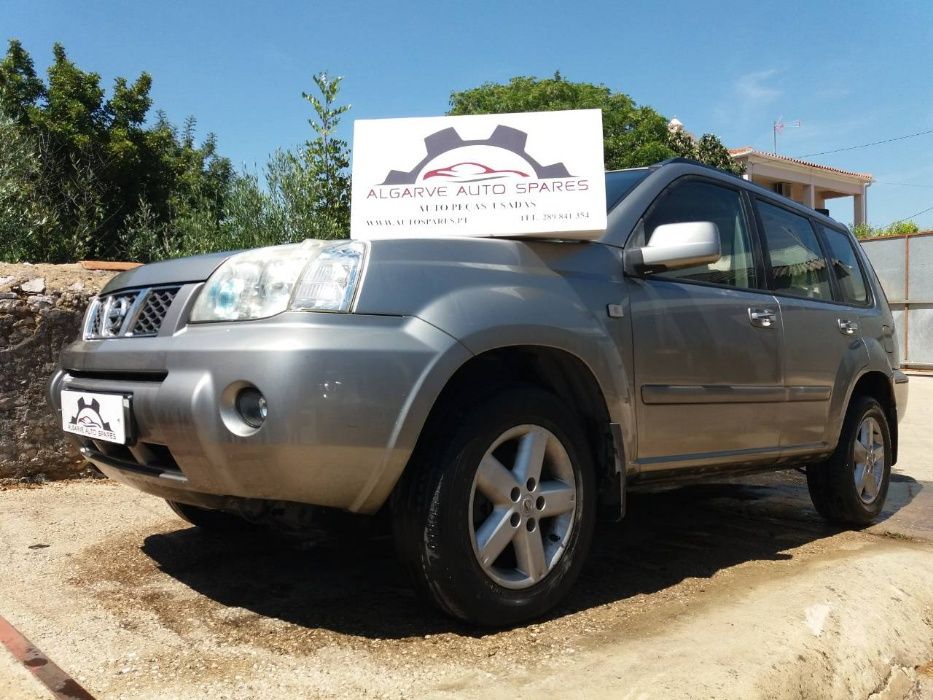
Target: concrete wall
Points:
(41, 309)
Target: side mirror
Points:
(675, 246)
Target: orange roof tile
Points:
(748, 150)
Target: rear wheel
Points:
(851, 486)
(495, 515)
(213, 520)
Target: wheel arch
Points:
(878, 386)
(554, 369)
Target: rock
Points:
(39, 315)
(34, 286)
(41, 301)
(4, 281)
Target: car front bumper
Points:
(347, 397)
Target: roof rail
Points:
(691, 161)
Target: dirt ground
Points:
(722, 589)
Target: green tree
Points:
(98, 169)
(633, 135)
(309, 187)
(23, 205)
(898, 228)
(87, 176)
(707, 149)
(328, 157)
(301, 193)
(20, 87)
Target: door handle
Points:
(762, 318)
(847, 327)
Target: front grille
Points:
(109, 314)
(133, 314)
(95, 314)
(157, 304)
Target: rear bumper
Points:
(347, 397)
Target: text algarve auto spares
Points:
(479, 189)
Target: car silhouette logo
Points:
(88, 415)
(471, 172)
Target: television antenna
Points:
(779, 126)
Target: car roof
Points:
(624, 217)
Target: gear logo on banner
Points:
(447, 142)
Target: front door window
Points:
(696, 200)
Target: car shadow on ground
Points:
(356, 587)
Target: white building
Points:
(808, 183)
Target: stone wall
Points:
(41, 309)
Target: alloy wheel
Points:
(522, 506)
(869, 459)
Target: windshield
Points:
(620, 182)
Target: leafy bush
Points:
(898, 228)
(91, 167)
(82, 176)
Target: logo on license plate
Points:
(88, 421)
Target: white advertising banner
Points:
(537, 174)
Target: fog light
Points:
(252, 407)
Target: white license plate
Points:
(96, 416)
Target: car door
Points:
(852, 288)
(823, 348)
(706, 341)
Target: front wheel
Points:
(495, 514)
(851, 486)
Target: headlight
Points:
(310, 276)
(330, 280)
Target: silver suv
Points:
(495, 396)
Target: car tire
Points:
(211, 520)
(851, 486)
(495, 513)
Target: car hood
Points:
(180, 271)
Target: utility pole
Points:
(779, 126)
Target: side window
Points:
(797, 261)
(696, 200)
(846, 266)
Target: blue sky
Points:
(852, 72)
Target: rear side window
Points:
(797, 262)
(696, 200)
(846, 266)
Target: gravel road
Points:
(721, 589)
